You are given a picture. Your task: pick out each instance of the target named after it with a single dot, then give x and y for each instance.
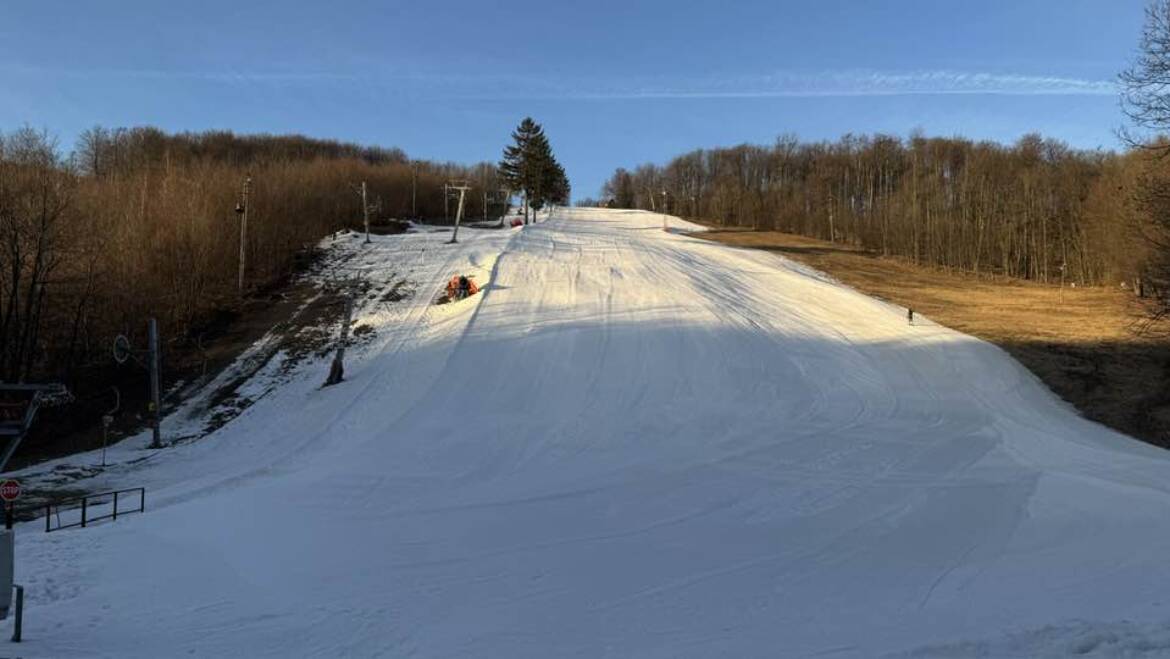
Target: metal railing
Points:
(83, 511)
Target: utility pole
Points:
(414, 190)
(361, 191)
(366, 212)
(242, 211)
(1061, 294)
(462, 187)
(832, 233)
(155, 384)
(446, 198)
(664, 227)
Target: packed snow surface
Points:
(633, 443)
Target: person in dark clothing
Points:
(464, 287)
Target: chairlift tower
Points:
(461, 187)
(18, 408)
(123, 352)
(19, 404)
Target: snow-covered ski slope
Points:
(634, 443)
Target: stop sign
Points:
(9, 490)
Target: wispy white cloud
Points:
(496, 86)
(852, 83)
(227, 76)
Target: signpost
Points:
(10, 490)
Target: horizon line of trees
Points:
(1035, 209)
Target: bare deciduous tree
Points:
(1146, 85)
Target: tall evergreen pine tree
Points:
(519, 167)
(529, 167)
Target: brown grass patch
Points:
(1082, 342)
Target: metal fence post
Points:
(18, 623)
(115, 502)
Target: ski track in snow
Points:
(632, 443)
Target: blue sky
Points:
(614, 82)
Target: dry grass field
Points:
(1083, 342)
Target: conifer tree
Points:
(556, 183)
(530, 168)
(540, 164)
(521, 165)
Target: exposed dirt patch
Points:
(398, 291)
(234, 358)
(307, 331)
(276, 328)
